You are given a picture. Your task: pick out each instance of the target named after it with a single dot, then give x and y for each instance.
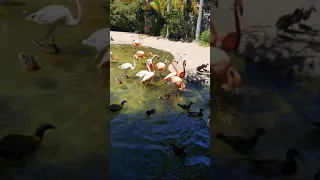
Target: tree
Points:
(199, 21)
(145, 5)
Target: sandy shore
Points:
(194, 54)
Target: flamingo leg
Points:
(94, 58)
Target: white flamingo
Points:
(150, 75)
(100, 40)
(53, 13)
(127, 66)
(142, 73)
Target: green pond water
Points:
(281, 101)
(62, 93)
(140, 144)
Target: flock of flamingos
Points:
(230, 80)
(175, 77)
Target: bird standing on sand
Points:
(270, 168)
(196, 114)
(117, 107)
(185, 106)
(17, 146)
(241, 144)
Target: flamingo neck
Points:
(134, 63)
(230, 76)
(175, 68)
(184, 66)
(70, 20)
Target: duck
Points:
(165, 97)
(185, 106)
(150, 112)
(16, 146)
(29, 61)
(275, 168)
(118, 81)
(242, 144)
(117, 107)
(196, 114)
(178, 151)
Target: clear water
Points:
(284, 103)
(62, 93)
(140, 144)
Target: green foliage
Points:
(205, 38)
(123, 16)
(163, 31)
(180, 27)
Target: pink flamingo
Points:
(175, 80)
(137, 42)
(161, 66)
(141, 54)
(176, 72)
(231, 80)
(150, 75)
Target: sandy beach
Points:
(194, 54)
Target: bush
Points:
(180, 26)
(123, 16)
(163, 31)
(205, 38)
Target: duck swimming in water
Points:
(29, 61)
(117, 107)
(17, 146)
(196, 114)
(242, 144)
(185, 106)
(150, 112)
(274, 168)
(178, 151)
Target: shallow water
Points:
(140, 144)
(62, 93)
(281, 101)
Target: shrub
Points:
(205, 38)
(123, 16)
(179, 27)
(163, 31)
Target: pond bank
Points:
(194, 54)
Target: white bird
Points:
(127, 66)
(100, 40)
(142, 73)
(150, 75)
(53, 13)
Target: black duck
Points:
(117, 107)
(196, 114)
(16, 146)
(286, 21)
(185, 106)
(274, 168)
(242, 144)
(150, 112)
(178, 151)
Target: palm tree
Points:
(199, 21)
(145, 5)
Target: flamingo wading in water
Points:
(136, 42)
(177, 81)
(100, 39)
(127, 66)
(161, 66)
(150, 75)
(55, 13)
(175, 71)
